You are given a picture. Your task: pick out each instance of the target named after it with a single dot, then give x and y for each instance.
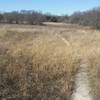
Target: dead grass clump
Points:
(33, 69)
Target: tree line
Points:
(86, 18)
(28, 17)
(22, 17)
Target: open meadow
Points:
(40, 62)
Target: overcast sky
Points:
(52, 6)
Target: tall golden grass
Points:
(36, 64)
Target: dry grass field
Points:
(37, 64)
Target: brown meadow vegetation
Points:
(36, 64)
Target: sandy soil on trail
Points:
(82, 89)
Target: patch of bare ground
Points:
(82, 87)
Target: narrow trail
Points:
(82, 89)
(63, 39)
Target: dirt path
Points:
(82, 89)
(63, 39)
